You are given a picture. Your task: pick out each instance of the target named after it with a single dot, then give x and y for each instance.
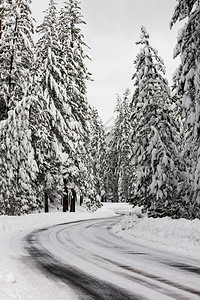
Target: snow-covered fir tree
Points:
(125, 166)
(74, 57)
(18, 176)
(187, 88)
(111, 176)
(16, 52)
(98, 151)
(153, 139)
(119, 168)
(72, 44)
(19, 193)
(50, 112)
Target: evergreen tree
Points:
(50, 107)
(98, 151)
(18, 185)
(61, 138)
(75, 77)
(187, 88)
(154, 149)
(125, 167)
(111, 173)
(16, 53)
(120, 172)
(19, 193)
(73, 55)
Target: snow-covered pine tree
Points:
(18, 176)
(18, 188)
(187, 88)
(119, 168)
(71, 167)
(50, 113)
(73, 56)
(72, 43)
(98, 151)
(16, 53)
(154, 148)
(125, 167)
(112, 157)
(111, 174)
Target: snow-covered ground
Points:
(178, 236)
(18, 281)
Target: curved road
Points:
(101, 266)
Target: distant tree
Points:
(119, 167)
(111, 174)
(187, 88)
(123, 129)
(154, 147)
(98, 152)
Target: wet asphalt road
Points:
(101, 266)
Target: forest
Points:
(54, 149)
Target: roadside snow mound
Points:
(179, 236)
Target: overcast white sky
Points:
(113, 27)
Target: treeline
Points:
(154, 147)
(47, 127)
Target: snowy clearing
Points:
(17, 281)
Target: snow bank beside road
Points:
(39, 220)
(177, 236)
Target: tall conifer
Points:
(16, 53)
(154, 148)
(18, 187)
(75, 77)
(187, 88)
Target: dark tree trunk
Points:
(81, 200)
(0, 27)
(65, 200)
(46, 203)
(3, 110)
(3, 107)
(103, 199)
(73, 201)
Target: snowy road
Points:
(98, 265)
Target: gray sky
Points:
(113, 27)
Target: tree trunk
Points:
(0, 26)
(65, 200)
(1, 17)
(81, 200)
(73, 200)
(3, 106)
(103, 198)
(46, 203)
